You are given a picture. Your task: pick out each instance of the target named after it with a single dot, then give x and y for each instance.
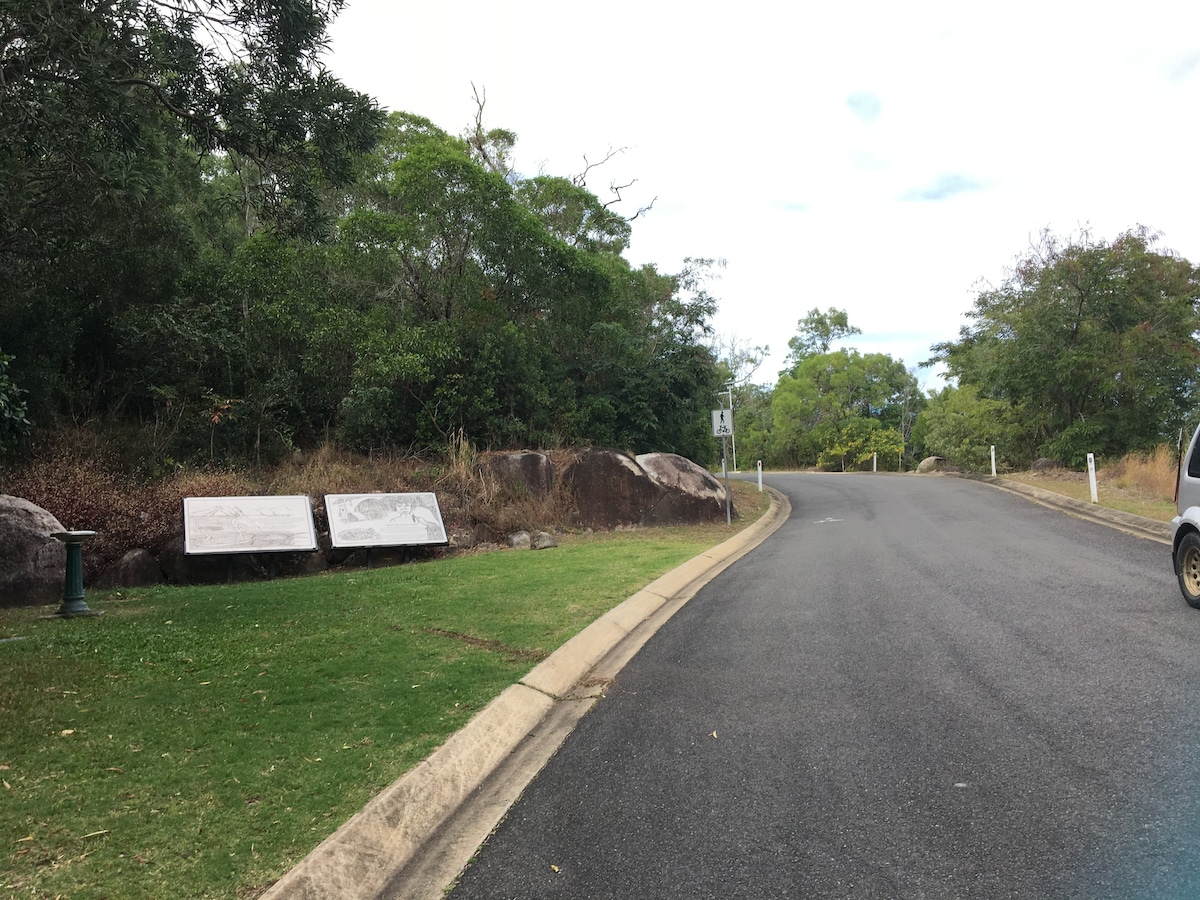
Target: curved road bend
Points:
(916, 688)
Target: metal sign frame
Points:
(384, 520)
(263, 524)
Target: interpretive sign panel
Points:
(384, 520)
(248, 524)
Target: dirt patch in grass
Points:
(514, 653)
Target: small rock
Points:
(520, 540)
(544, 541)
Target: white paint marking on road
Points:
(826, 521)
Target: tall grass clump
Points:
(1153, 472)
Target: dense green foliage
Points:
(957, 424)
(1086, 347)
(12, 405)
(215, 250)
(832, 408)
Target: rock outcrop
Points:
(524, 472)
(609, 488)
(691, 494)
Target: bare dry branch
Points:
(616, 190)
(580, 180)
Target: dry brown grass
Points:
(1139, 483)
(1154, 472)
(91, 489)
(93, 494)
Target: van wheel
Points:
(1187, 562)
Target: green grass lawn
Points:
(199, 741)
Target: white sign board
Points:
(384, 520)
(248, 524)
(722, 422)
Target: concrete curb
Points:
(406, 841)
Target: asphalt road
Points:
(916, 688)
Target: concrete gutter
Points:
(414, 838)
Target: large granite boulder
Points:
(609, 488)
(33, 564)
(691, 495)
(135, 568)
(181, 568)
(522, 473)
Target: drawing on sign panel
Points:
(384, 520)
(247, 524)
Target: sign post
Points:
(722, 421)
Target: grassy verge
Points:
(1138, 483)
(1111, 492)
(198, 742)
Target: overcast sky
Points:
(879, 157)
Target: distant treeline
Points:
(1088, 346)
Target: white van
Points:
(1185, 527)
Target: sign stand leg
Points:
(725, 472)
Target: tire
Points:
(1187, 564)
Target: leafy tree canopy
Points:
(833, 406)
(1095, 344)
(961, 426)
(817, 331)
(184, 177)
(95, 93)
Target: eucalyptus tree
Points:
(502, 307)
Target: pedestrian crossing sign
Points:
(722, 422)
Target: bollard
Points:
(73, 603)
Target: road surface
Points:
(919, 687)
